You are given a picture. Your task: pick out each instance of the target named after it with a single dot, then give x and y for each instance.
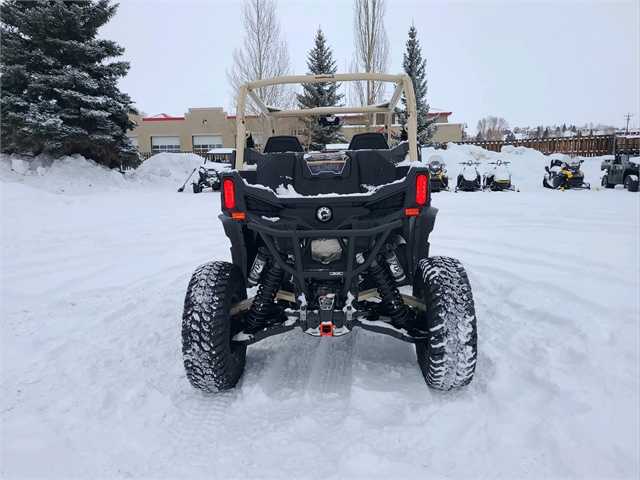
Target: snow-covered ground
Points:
(94, 271)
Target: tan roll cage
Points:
(403, 84)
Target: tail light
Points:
(229, 194)
(421, 189)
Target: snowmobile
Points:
(564, 174)
(438, 179)
(209, 173)
(326, 239)
(469, 179)
(499, 178)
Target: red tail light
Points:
(229, 194)
(411, 212)
(421, 189)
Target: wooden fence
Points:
(587, 146)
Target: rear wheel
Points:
(213, 362)
(631, 184)
(448, 357)
(605, 182)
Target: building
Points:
(202, 129)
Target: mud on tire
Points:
(212, 361)
(448, 357)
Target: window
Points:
(380, 119)
(204, 143)
(165, 144)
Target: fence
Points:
(587, 146)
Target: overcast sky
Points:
(533, 63)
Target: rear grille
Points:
(390, 204)
(260, 206)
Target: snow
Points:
(95, 265)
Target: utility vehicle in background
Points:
(327, 239)
(216, 161)
(622, 170)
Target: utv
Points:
(209, 171)
(564, 174)
(622, 170)
(327, 239)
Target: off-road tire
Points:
(213, 362)
(448, 357)
(605, 182)
(631, 184)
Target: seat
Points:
(369, 141)
(282, 144)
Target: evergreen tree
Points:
(415, 66)
(59, 96)
(545, 134)
(564, 127)
(320, 62)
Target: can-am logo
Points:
(324, 214)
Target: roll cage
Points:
(403, 84)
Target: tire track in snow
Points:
(306, 364)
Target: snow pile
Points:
(74, 175)
(167, 169)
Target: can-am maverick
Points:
(469, 179)
(327, 238)
(498, 178)
(564, 174)
(438, 179)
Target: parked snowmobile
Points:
(327, 239)
(438, 174)
(499, 178)
(469, 179)
(209, 172)
(564, 174)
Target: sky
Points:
(533, 63)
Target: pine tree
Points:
(320, 62)
(59, 96)
(415, 66)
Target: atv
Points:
(622, 170)
(469, 179)
(209, 171)
(438, 179)
(499, 178)
(326, 240)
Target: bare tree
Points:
(265, 54)
(371, 52)
(491, 128)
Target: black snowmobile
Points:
(438, 179)
(564, 174)
(469, 179)
(328, 238)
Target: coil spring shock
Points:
(400, 314)
(263, 301)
